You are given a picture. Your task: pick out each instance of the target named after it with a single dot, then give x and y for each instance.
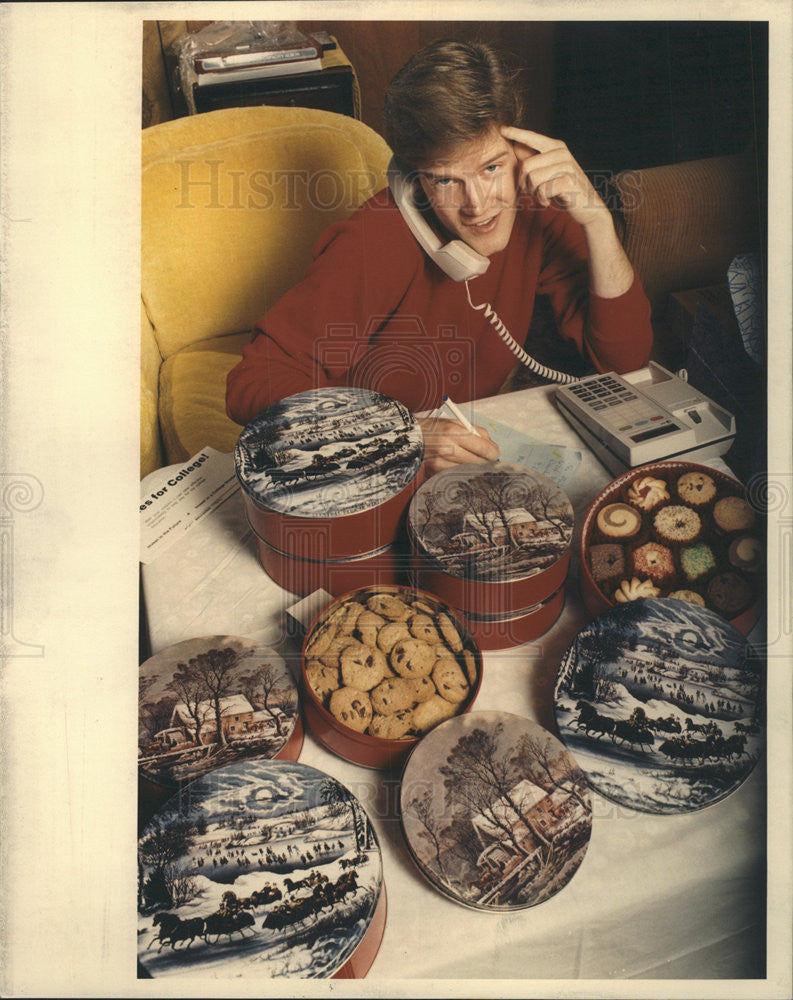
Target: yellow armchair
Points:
(232, 203)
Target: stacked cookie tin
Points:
(326, 478)
(493, 539)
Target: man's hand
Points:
(447, 443)
(548, 171)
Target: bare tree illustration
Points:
(191, 689)
(551, 768)
(423, 809)
(333, 792)
(499, 495)
(262, 687)
(215, 668)
(554, 506)
(478, 775)
(596, 659)
(475, 508)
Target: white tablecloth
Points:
(656, 897)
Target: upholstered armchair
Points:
(232, 202)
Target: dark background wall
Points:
(628, 95)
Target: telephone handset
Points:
(460, 262)
(455, 258)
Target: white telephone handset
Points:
(455, 258)
(460, 262)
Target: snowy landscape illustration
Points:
(263, 868)
(660, 701)
(207, 702)
(329, 452)
(495, 811)
(492, 521)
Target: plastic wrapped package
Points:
(232, 50)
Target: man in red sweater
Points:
(374, 310)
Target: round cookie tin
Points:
(346, 724)
(508, 631)
(386, 566)
(496, 813)
(490, 538)
(328, 473)
(207, 702)
(262, 869)
(719, 579)
(660, 701)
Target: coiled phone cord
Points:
(544, 372)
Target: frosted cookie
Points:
(655, 561)
(388, 606)
(323, 680)
(431, 712)
(412, 658)
(618, 520)
(677, 524)
(696, 488)
(647, 492)
(450, 681)
(632, 590)
(733, 514)
(697, 561)
(352, 708)
(400, 693)
(362, 666)
(391, 727)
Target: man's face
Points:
(473, 191)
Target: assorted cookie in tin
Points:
(674, 530)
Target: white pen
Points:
(460, 416)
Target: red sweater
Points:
(374, 311)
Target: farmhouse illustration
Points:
(515, 526)
(513, 839)
(237, 719)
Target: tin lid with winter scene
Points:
(660, 701)
(491, 521)
(329, 452)
(496, 813)
(210, 701)
(261, 869)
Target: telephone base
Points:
(617, 465)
